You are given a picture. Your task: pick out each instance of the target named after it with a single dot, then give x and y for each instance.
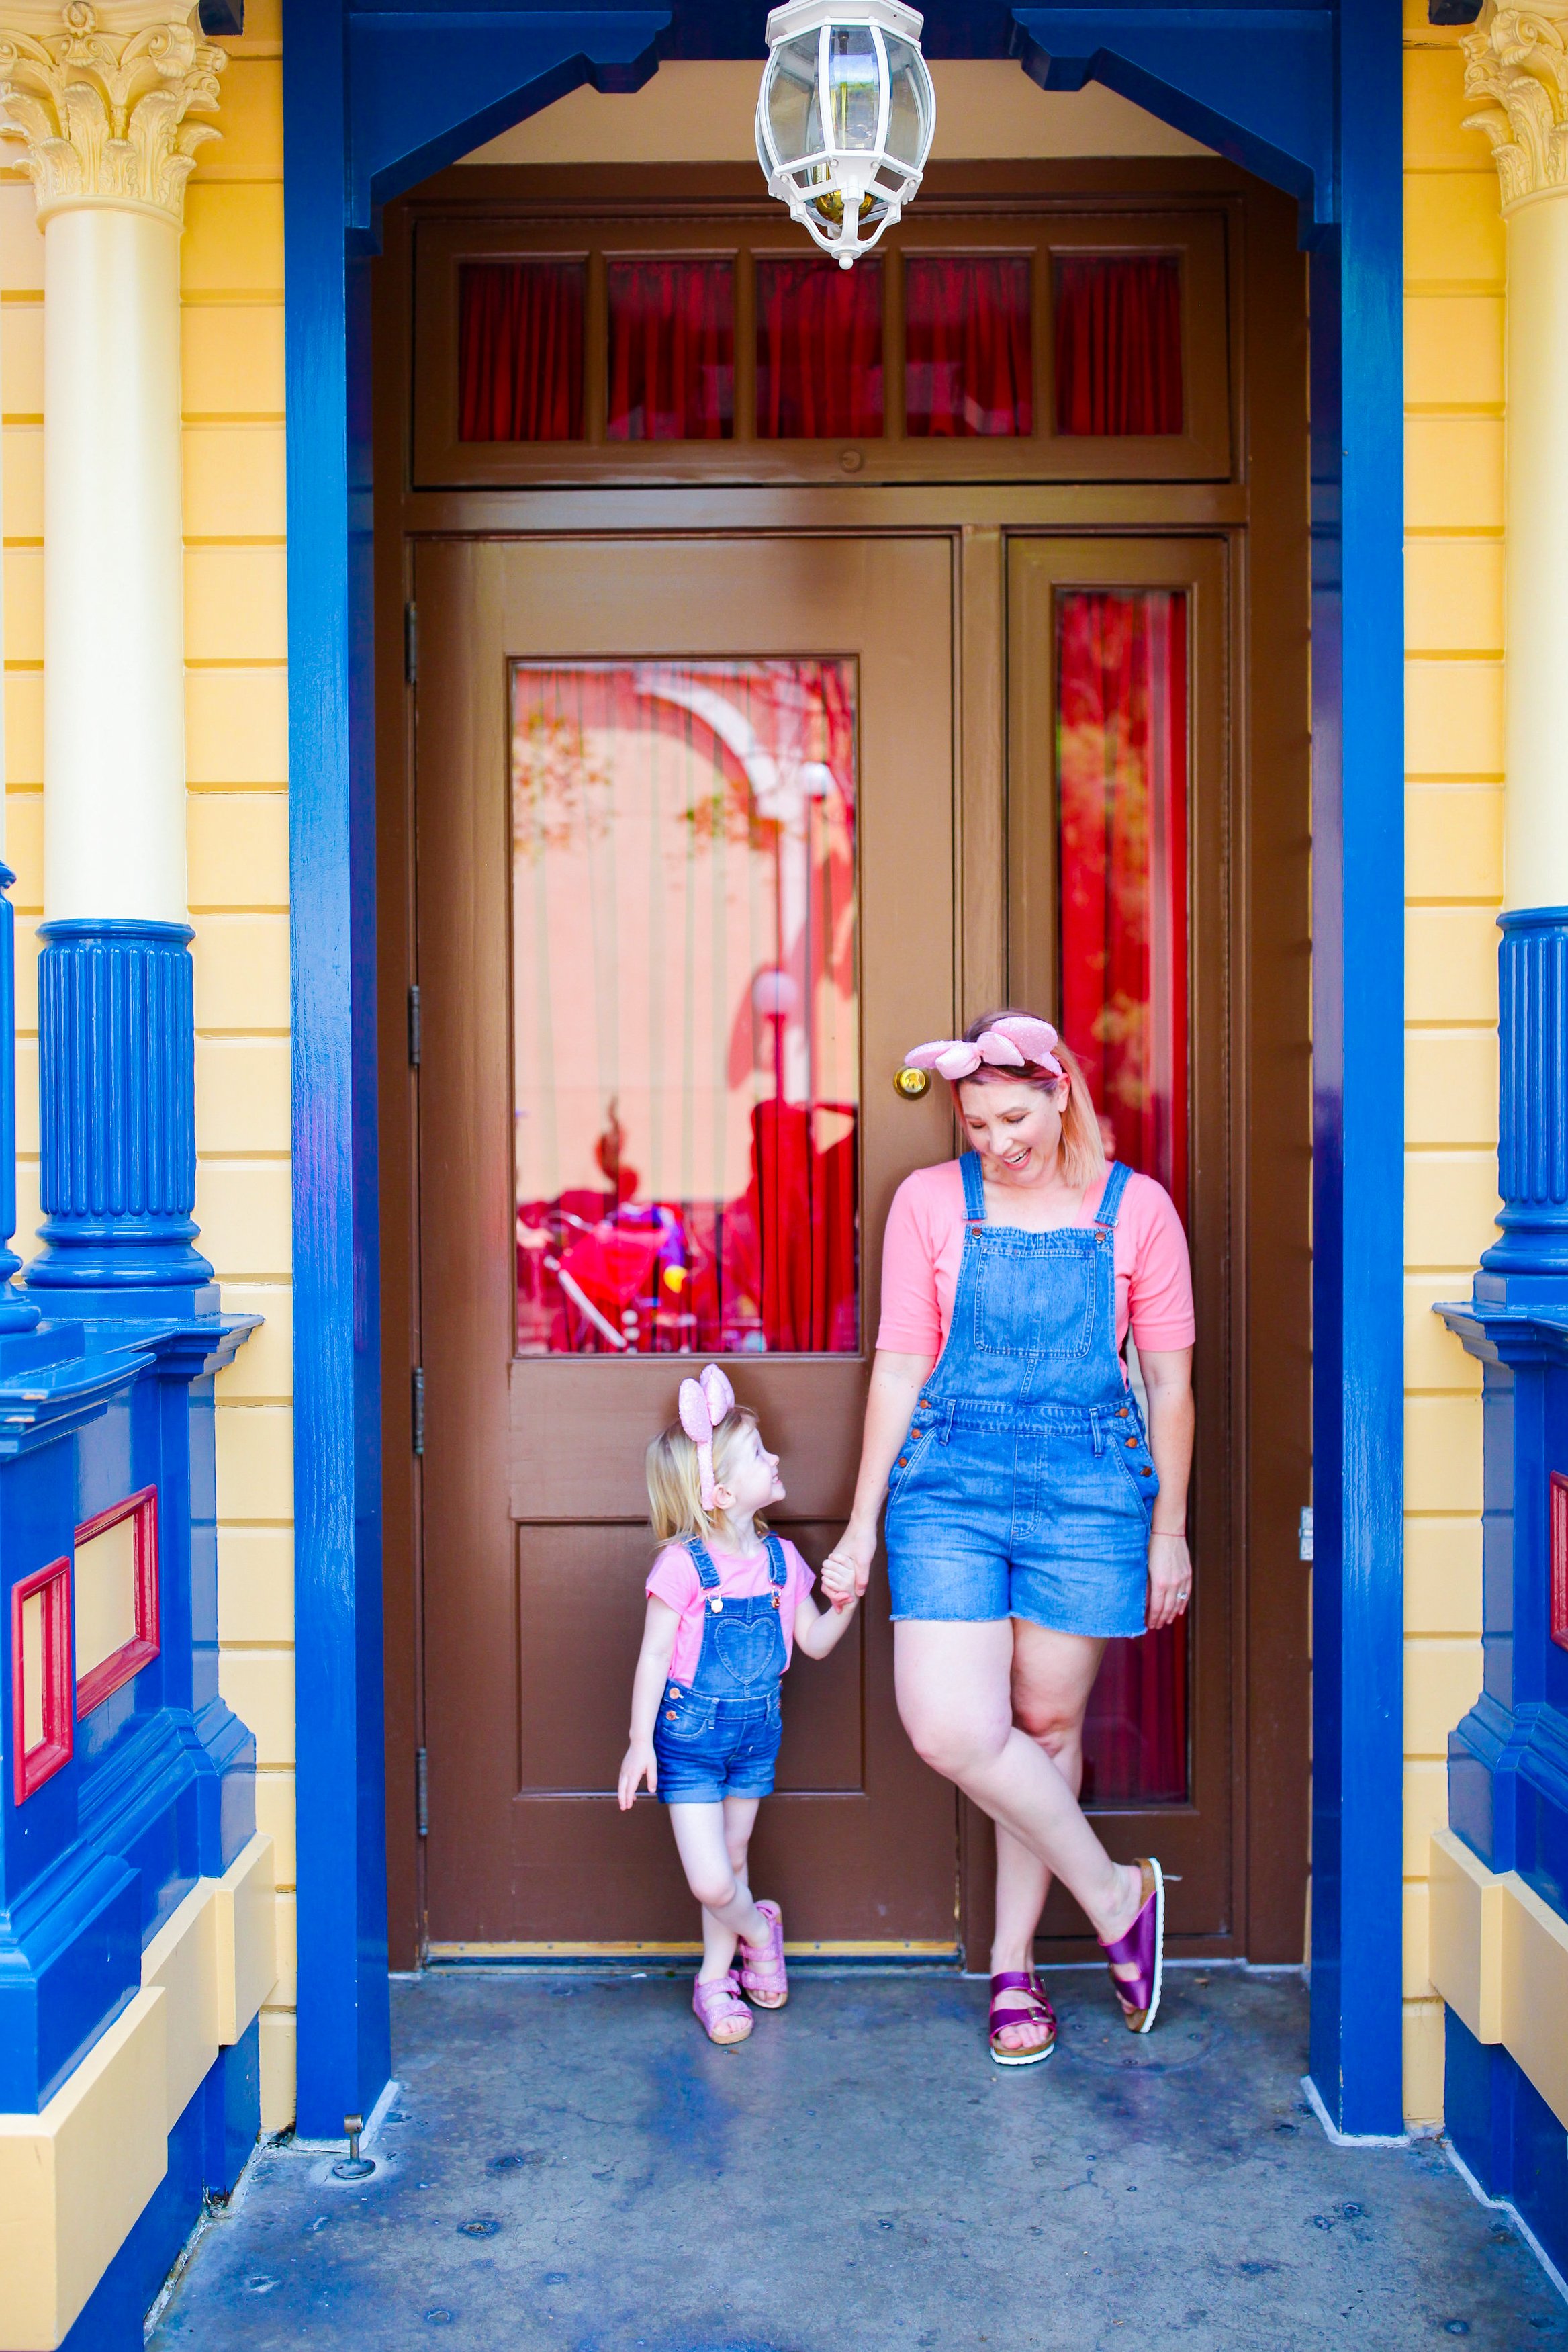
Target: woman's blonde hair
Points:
(1083, 1144)
(674, 1480)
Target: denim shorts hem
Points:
(1086, 1632)
(713, 1792)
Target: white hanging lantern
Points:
(846, 116)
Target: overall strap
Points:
(708, 1575)
(973, 1186)
(1111, 1199)
(778, 1566)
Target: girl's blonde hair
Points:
(674, 1480)
(1083, 1144)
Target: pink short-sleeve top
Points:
(925, 1241)
(742, 1576)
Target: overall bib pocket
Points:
(1054, 1319)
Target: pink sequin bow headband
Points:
(1006, 1046)
(704, 1404)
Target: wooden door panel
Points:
(535, 1513)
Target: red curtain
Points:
(969, 362)
(804, 1201)
(672, 351)
(1118, 343)
(519, 353)
(819, 350)
(1121, 794)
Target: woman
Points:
(1028, 1523)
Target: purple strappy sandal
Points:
(718, 2003)
(1144, 1946)
(1039, 2012)
(763, 1976)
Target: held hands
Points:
(1170, 1579)
(848, 1564)
(638, 1765)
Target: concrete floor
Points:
(570, 2165)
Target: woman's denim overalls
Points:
(718, 1735)
(1025, 1486)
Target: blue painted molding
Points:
(1532, 1131)
(1262, 93)
(117, 1108)
(18, 1313)
(374, 98)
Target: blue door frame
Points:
(377, 97)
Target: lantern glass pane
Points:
(792, 113)
(908, 117)
(854, 89)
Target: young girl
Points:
(727, 1600)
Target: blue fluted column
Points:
(16, 1313)
(116, 1060)
(1532, 1107)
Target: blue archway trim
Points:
(417, 106)
(1252, 81)
(1255, 84)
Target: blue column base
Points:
(1508, 2136)
(116, 1099)
(1532, 1128)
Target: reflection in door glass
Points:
(684, 1007)
(1121, 760)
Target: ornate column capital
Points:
(97, 91)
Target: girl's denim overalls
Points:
(718, 1735)
(1025, 1486)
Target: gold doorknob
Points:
(911, 1084)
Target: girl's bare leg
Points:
(1052, 1676)
(712, 1841)
(954, 1682)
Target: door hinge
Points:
(1306, 1532)
(411, 643)
(413, 1028)
(422, 1791)
(419, 1408)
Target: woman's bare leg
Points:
(954, 1682)
(1052, 1676)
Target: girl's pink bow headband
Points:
(704, 1404)
(1006, 1046)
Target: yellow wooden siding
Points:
(1454, 296)
(237, 844)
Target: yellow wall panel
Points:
(25, 846)
(234, 240)
(1453, 473)
(274, 1819)
(244, 1213)
(1453, 595)
(264, 1370)
(236, 730)
(1454, 351)
(236, 847)
(1453, 230)
(235, 484)
(286, 1913)
(241, 971)
(23, 723)
(242, 1094)
(232, 360)
(1424, 2062)
(1453, 841)
(280, 2045)
(255, 1585)
(24, 481)
(236, 604)
(1453, 719)
(1442, 1683)
(22, 359)
(23, 603)
(259, 1686)
(21, 239)
(26, 978)
(1425, 1810)
(1443, 1572)
(1450, 1086)
(1443, 1453)
(26, 1093)
(255, 1462)
(1451, 1209)
(1433, 1357)
(1436, 138)
(1450, 963)
(251, 115)
(1416, 1983)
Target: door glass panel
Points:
(1122, 757)
(685, 1006)
(1118, 342)
(520, 350)
(968, 364)
(819, 350)
(672, 351)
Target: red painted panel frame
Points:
(1559, 1558)
(34, 1766)
(118, 1668)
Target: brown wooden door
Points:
(568, 694)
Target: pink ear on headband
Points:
(704, 1404)
(1006, 1046)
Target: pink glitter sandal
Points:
(763, 1976)
(718, 2003)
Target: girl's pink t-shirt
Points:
(925, 1241)
(741, 1576)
